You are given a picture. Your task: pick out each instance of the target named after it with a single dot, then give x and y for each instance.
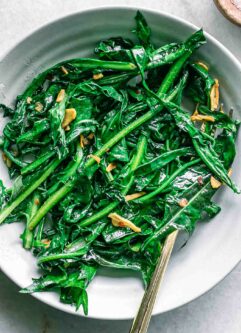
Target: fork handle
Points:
(141, 322)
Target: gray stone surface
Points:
(219, 311)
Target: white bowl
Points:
(215, 247)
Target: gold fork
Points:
(141, 321)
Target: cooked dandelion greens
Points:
(106, 160)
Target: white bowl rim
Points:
(229, 54)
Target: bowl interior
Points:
(215, 247)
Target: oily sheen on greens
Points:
(130, 167)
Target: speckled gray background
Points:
(219, 311)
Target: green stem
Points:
(168, 149)
(141, 149)
(15, 160)
(139, 106)
(40, 230)
(95, 63)
(9, 208)
(105, 211)
(35, 164)
(115, 79)
(32, 208)
(55, 197)
(173, 73)
(51, 202)
(62, 256)
(120, 135)
(167, 182)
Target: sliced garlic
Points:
(82, 138)
(29, 100)
(70, 115)
(96, 158)
(38, 107)
(83, 141)
(215, 183)
(46, 242)
(195, 113)
(214, 96)
(91, 136)
(230, 172)
(200, 63)
(6, 160)
(37, 201)
(134, 196)
(183, 202)
(64, 70)
(119, 221)
(60, 96)
(201, 117)
(98, 76)
(111, 167)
